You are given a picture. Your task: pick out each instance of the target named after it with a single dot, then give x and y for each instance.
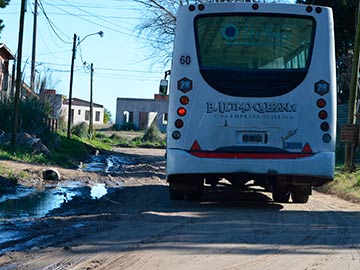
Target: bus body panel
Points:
(286, 123)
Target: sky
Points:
(122, 60)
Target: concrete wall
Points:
(154, 108)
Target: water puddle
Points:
(31, 202)
(106, 163)
(25, 203)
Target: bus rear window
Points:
(259, 46)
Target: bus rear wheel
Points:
(176, 194)
(185, 186)
(299, 196)
(280, 195)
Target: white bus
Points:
(252, 99)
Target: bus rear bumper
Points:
(319, 167)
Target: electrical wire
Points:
(52, 25)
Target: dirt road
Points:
(138, 227)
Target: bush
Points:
(128, 126)
(33, 114)
(152, 134)
(81, 130)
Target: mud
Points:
(138, 227)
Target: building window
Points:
(87, 115)
(165, 119)
(79, 112)
(97, 116)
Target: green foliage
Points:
(32, 116)
(67, 152)
(152, 134)
(81, 130)
(128, 126)
(3, 3)
(345, 185)
(107, 116)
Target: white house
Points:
(80, 112)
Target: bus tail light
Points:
(323, 114)
(321, 103)
(326, 138)
(184, 100)
(176, 135)
(325, 126)
(179, 123)
(181, 111)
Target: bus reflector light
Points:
(201, 7)
(323, 114)
(176, 135)
(309, 8)
(321, 103)
(191, 7)
(318, 10)
(195, 146)
(326, 138)
(255, 6)
(325, 126)
(181, 111)
(179, 123)
(307, 148)
(184, 100)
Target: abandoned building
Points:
(142, 113)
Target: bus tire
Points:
(280, 195)
(194, 195)
(176, 190)
(300, 196)
(176, 194)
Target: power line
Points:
(98, 24)
(107, 68)
(92, 22)
(52, 25)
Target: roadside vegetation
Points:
(69, 153)
(345, 185)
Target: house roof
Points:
(80, 102)
(6, 51)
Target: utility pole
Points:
(32, 78)
(350, 147)
(75, 44)
(18, 75)
(70, 88)
(91, 124)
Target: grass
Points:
(9, 178)
(68, 153)
(345, 185)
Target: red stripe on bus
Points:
(250, 155)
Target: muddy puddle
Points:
(25, 203)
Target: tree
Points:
(344, 26)
(107, 116)
(3, 4)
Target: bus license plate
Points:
(253, 138)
